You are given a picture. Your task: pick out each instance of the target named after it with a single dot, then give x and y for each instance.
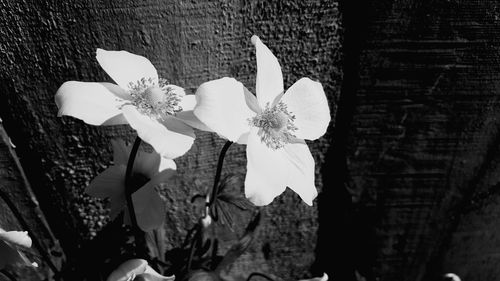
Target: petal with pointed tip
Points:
(221, 105)
(307, 101)
(124, 67)
(94, 103)
(267, 172)
(269, 82)
(170, 138)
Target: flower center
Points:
(157, 100)
(275, 125)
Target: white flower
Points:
(149, 170)
(137, 269)
(156, 110)
(10, 242)
(273, 125)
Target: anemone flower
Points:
(10, 243)
(137, 270)
(272, 124)
(157, 110)
(149, 170)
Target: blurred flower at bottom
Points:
(10, 244)
(137, 270)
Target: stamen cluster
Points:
(275, 125)
(156, 100)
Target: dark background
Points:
(407, 173)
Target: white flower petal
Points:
(19, 238)
(128, 270)
(94, 103)
(301, 171)
(307, 101)
(267, 172)
(189, 118)
(124, 67)
(322, 278)
(188, 102)
(221, 105)
(149, 208)
(170, 139)
(151, 275)
(269, 82)
(109, 183)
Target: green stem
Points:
(129, 189)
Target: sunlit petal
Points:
(307, 101)
(267, 172)
(19, 238)
(151, 275)
(94, 103)
(188, 102)
(128, 270)
(269, 82)
(189, 118)
(221, 105)
(170, 139)
(149, 208)
(301, 171)
(124, 67)
(110, 182)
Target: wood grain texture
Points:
(17, 191)
(425, 137)
(48, 42)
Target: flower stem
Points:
(26, 227)
(129, 189)
(219, 170)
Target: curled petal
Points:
(109, 183)
(128, 270)
(124, 67)
(171, 138)
(307, 101)
(301, 171)
(149, 208)
(18, 238)
(221, 105)
(94, 103)
(322, 278)
(267, 172)
(269, 82)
